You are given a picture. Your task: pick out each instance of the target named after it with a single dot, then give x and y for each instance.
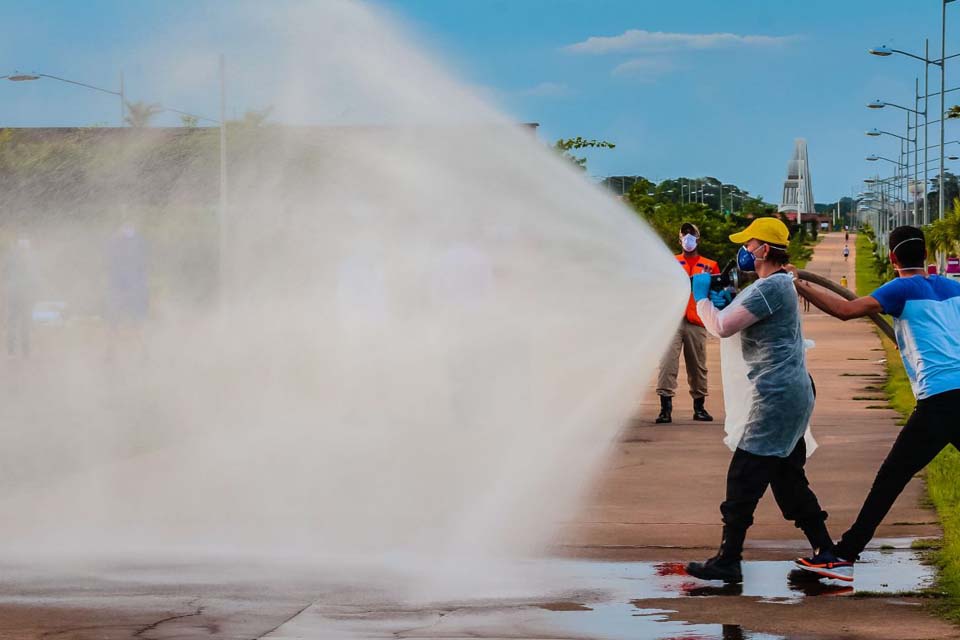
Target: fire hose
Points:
(849, 295)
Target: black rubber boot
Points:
(726, 564)
(699, 413)
(666, 410)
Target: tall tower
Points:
(798, 188)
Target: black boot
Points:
(666, 410)
(726, 564)
(699, 413)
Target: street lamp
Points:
(877, 193)
(222, 206)
(885, 51)
(874, 158)
(743, 195)
(26, 77)
(880, 104)
(878, 132)
(873, 133)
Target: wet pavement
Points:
(561, 599)
(606, 621)
(611, 603)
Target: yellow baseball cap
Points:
(769, 230)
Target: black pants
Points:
(747, 481)
(931, 427)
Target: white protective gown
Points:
(767, 392)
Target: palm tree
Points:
(139, 114)
(944, 235)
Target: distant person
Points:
(19, 295)
(925, 309)
(691, 337)
(846, 252)
(768, 370)
(128, 299)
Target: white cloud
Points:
(644, 68)
(639, 40)
(547, 90)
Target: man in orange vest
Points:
(691, 337)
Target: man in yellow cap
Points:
(767, 376)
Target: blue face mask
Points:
(746, 260)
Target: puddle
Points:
(878, 572)
(607, 601)
(600, 622)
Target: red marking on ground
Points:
(671, 569)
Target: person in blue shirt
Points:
(926, 321)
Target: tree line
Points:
(664, 208)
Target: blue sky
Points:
(683, 88)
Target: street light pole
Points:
(222, 210)
(23, 77)
(916, 153)
(926, 118)
(943, 88)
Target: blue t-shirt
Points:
(926, 320)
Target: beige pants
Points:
(692, 339)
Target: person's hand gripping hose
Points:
(721, 299)
(700, 284)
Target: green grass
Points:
(867, 279)
(942, 475)
(926, 544)
(942, 486)
(801, 250)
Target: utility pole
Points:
(222, 209)
(123, 101)
(943, 90)
(926, 118)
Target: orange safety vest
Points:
(692, 268)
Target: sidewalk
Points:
(659, 494)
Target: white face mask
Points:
(688, 242)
